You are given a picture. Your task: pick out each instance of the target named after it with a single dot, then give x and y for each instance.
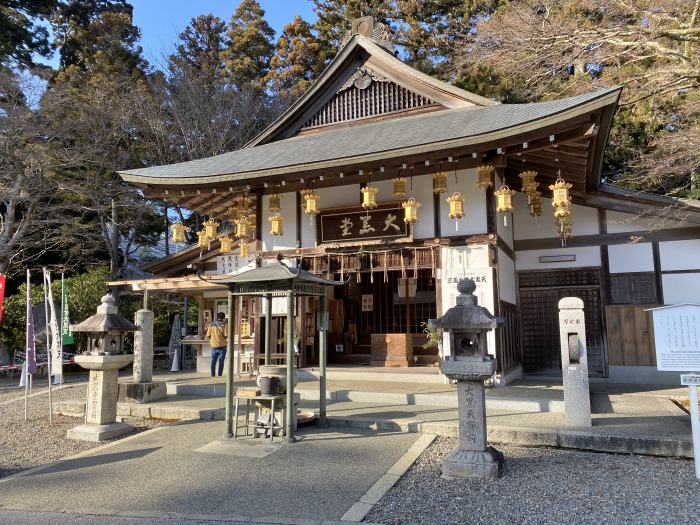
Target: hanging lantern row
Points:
(440, 182)
(211, 227)
(529, 188)
(274, 203)
(456, 202)
(535, 204)
(504, 202)
(242, 227)
(202, 239)
(410, 210)
(369, 197)
(561, 202)
(245, 248)
(276, 224)
(178, 232)
(226, 245)
(311, 201)
(399, 188)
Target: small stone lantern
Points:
(106, 331)
(467, 324)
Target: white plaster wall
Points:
(528, 227)
(341, 196)
(506, 278)
(530, 259)
(619, 222)
(680, 255)
(423, 192)
(681, 287)
(626, 258)
(288, 211)
(474, 220)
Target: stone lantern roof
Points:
(107, 319)
(467, 314)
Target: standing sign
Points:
(677, 337)
(677, 341)
(234, 264)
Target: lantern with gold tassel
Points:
(202, 239)
(274, 203)
(311, 200)
(369, 197)
(178, 230)
(529, 184)
(211, 227)
(226, 245)
(456, 202)
(242, 227)
(535, 204)
(399, 187)
(276, 224)
(245, 248)
(561, 201)
(410, 209)
(440, 182)
(504, 202)
(484, 172)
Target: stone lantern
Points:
(105, 331)
(466, 325)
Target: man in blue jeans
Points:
(218, 340)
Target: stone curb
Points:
(361, 507)
(535, 437)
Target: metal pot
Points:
(269, 386)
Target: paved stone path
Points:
(159, 473)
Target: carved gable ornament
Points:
(362, 78)
(377, 32)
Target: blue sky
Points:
(161, 21)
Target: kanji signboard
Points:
(356, 224)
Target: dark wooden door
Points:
(540, 293)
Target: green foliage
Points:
(251, 44)
(21, 34)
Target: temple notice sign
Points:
(677, 337)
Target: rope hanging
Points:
(371, 267)
(415, 263)
(432, 262)
(403, 267)
(386, 269)
(342, 268)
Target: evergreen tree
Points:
(251, 44)
(296, 61)
(20, 34)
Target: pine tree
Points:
(251, 44)
(296, 61)
(20, 35)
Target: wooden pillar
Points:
(322, 355)
(268, 329)
(289, 405)
(229, 367)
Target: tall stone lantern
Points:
(467, 324)
(106, 332)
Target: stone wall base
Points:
(473, 464)
(90, 432)
(142, 392)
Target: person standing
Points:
(218, 340)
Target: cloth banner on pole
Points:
(30, 346)
(174, 345)
(56, 352)
(23, 376)
(66, 332)
(2, 292)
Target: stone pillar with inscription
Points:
(466, 325)
(574, 363)
(142, 388)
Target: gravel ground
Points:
(546, 486)
(26, 444)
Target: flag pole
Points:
(48, 346)
(63, 295)
(26, 356)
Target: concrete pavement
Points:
(160, 474)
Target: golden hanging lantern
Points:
(529, 184)
(410, 209)
(399, 187)
(369, 197)
(226, 245)
(242, 227)
(484, 172)
(560, 193)
(504, 202)
(234, 214)
(456, 202)
(311, 200)
(202, 239)
(274, 203)
(245, 248)
(211, 227)
(244, 203)
(535, 204)
(178, 230)
(440, 182)
(276, 224)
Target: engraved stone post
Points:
(467, 324)
(574, 363)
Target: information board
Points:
(677, 337)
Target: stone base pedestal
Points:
(459, 463)
(90, 432)
(142, 392)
